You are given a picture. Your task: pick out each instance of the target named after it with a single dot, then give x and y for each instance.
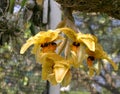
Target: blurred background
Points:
(20, 74)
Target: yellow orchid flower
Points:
(39, 39)
(99, 53)
(80, 42)
(55, 68)
(42, 41)
(86, 39)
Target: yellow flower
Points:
(86, 39)
(99, 53)
(55, 68)
(43, 42)
(80, 43)
(39, 39)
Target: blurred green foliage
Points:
(75, 92)
(19, 74)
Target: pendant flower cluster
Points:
(56, 68)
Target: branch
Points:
(110, 7)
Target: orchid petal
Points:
(88, 40)
(60, 70)
(91, 72)
(51, 79)
(112, 63)
(69, 33)
(74, 59)
(47, 68)
(67, 79)
(26, 46)
(81, 54)
(37, 51)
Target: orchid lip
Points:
(47, 43)
(92, 58)
(76, 44)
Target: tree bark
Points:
(110, 7)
